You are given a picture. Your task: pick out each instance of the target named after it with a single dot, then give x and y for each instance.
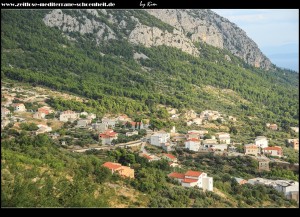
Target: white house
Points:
(167, 146)
(109, 121)
(150, 158)
(19, 107)
(261, 141)
(223, 137)
(221, 147)
(289, 188)
(68, 115)
(83, 122)
(101, 127)
(192, 144)
(208, 143)
(251, 149)
(108, 136)
(158, 138)
(194, 178)
(273, 151)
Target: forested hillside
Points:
(116, 82)
(114, 75)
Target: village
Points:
(27, 109)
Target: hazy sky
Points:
(275, 31)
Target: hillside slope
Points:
(124, 77)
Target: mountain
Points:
(138, 63)
(185, 28)
(105, 55)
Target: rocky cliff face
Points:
(205, 25)
(189, 26)
(153, 36)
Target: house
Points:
(150, 158)
(19, 107)
(39, 115)
(68, 115)
(192, 144)
(192, 135)
(220, 147)
(208, 143)
(158, 138)
(123, 171)
(294, 143)
(100, 127)
(167, 146)
(194, 178)
(223, 137)
(295, 129)
(263, 166)
(109, 121)
(273, 127)
(261, 141)
(45, 109)
(273, 151)
(132, 133)
(43, 129)
(289, 188)
(251, 149)
(108, 136)
(4, 112)
(83, 123)
(169, 157)
(240, 181)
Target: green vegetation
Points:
(37, 172)
(117, 84)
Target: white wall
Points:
(207, 183)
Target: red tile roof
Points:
(112, 166)
(189, 180)
(147, 156)
(176, 175)
(43, 110)
(276, 148)
(108, 134)
(193, 173)
(170, 156)
(18, 104)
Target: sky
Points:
(275, 31)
